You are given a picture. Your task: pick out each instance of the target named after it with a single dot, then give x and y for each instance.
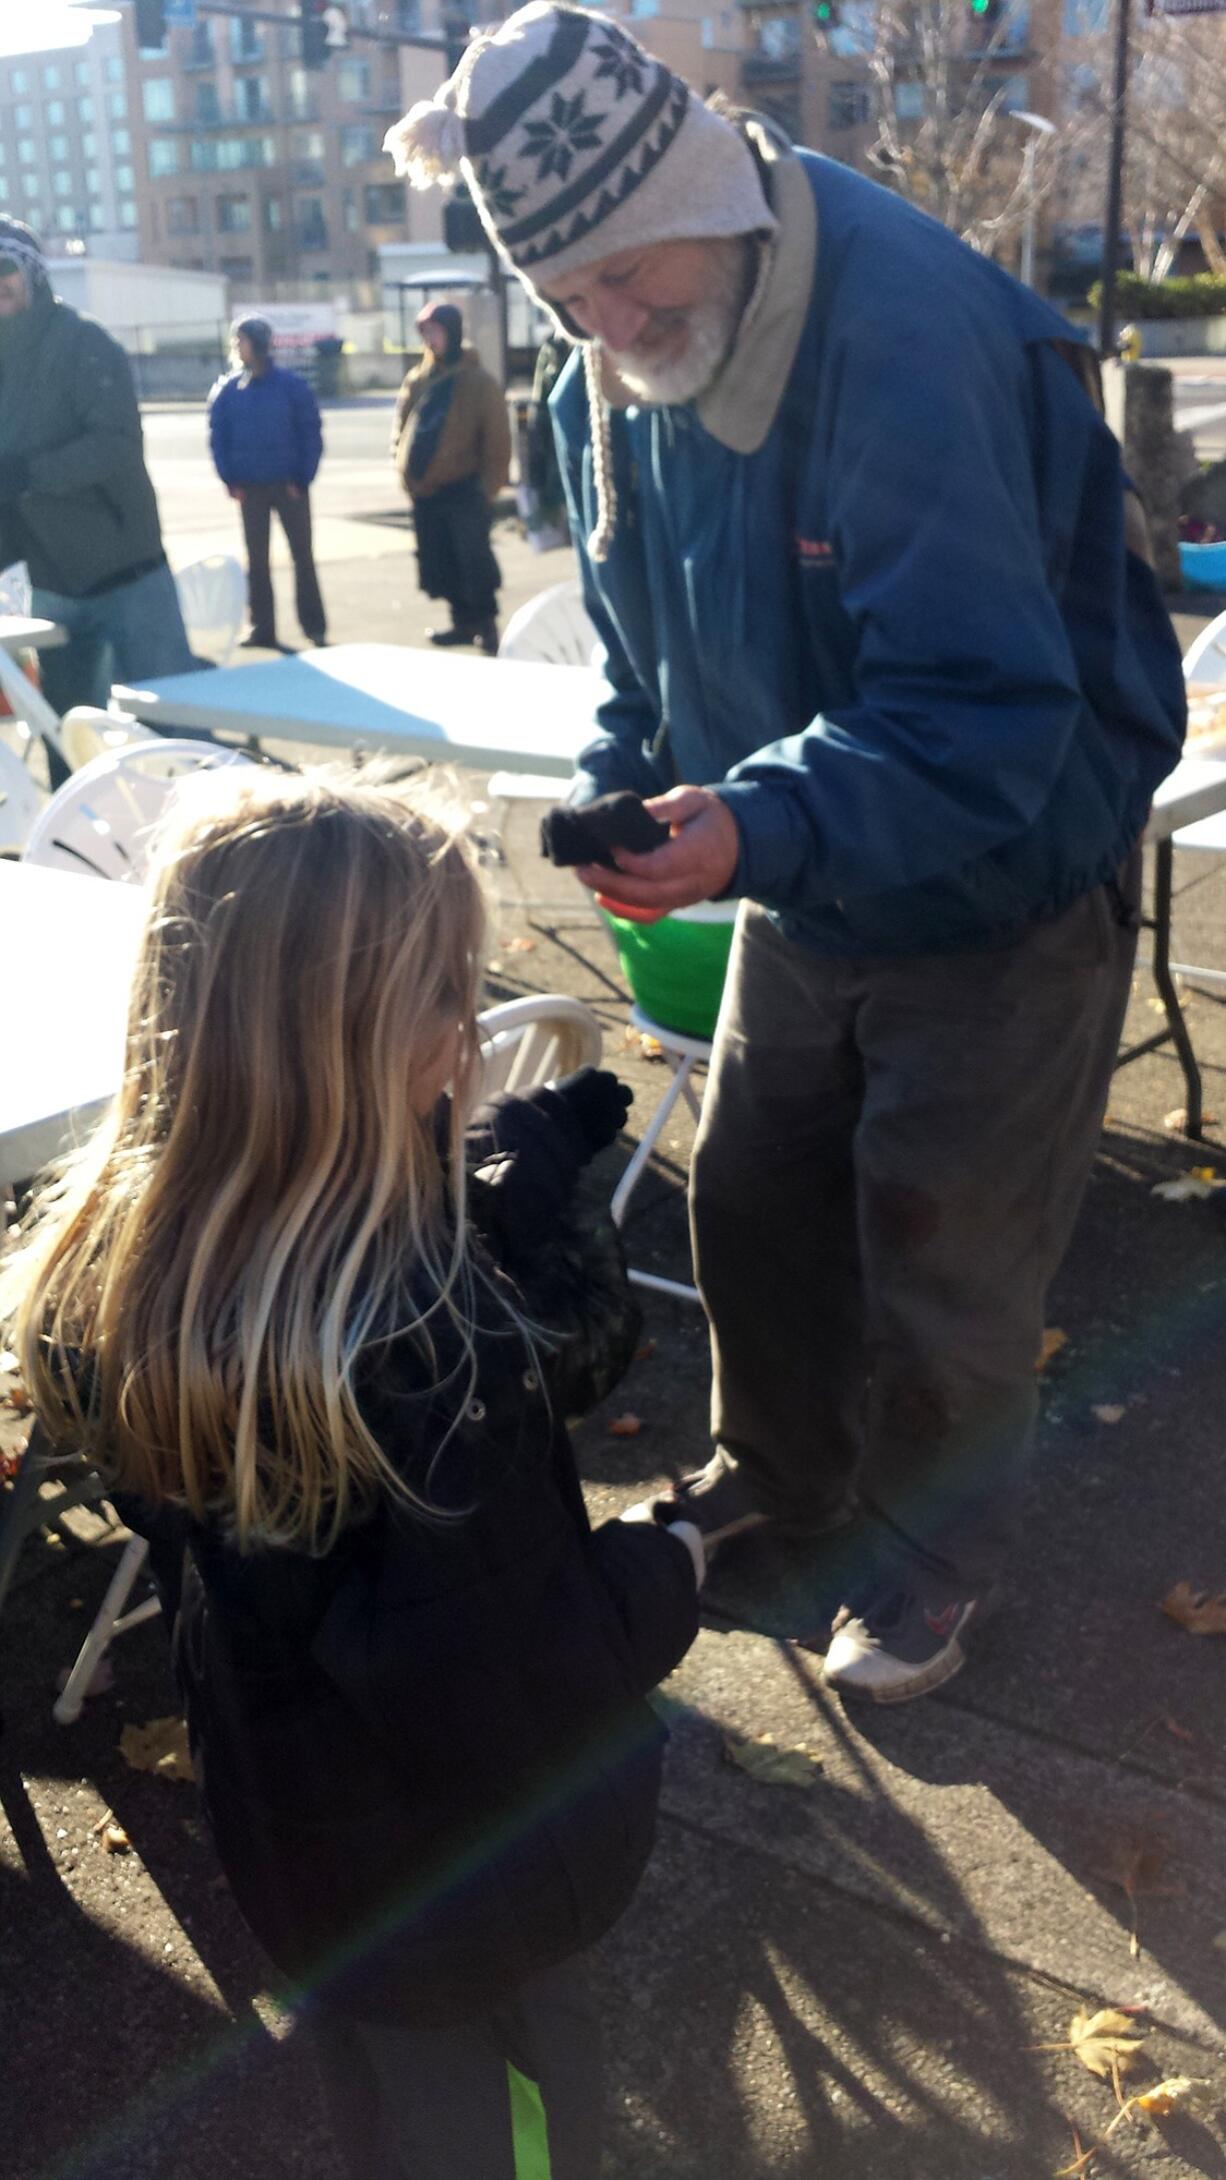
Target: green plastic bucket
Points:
(676, 968)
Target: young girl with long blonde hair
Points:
(303, 1346)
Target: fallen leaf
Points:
(1134, 1859)
(1188, 1186)
(1195, 1610)
(770, 1765)
(519, 946)
(645, 1352)
(1109, 1412)
(18, 1399)
(650, 1048)
(625, 1426)
(160, 1746)
(115, 1840)
(1052, 1342)
(1180, 1733)
(1162, 2099)
(1176, 1121)
(1108, 2043)
(1207, 1173)
(1220, 1942)
(1081, 2158)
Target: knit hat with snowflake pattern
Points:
(575, 144)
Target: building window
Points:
(353, 220)
(200, 52)
(121, 143)
(30, 185)
(93, 182)
(19, 82)
(66, 219)
(238, 269)
(80, 75)
(61, 185)
(117, 106)
(208, 104)
(26, 153)
(301, 94)
(354, 80)
(23, 117)
(312, 226)
(251, 98)
(357, 146)
(274, 215)
(234, 215)
(114, 68)
(58, 147)
(125, 179)
(848, 106)
(182, 216)
(97, 218)
(158, 98)
(85, 112)
(51, 77)
(4, 190)
(246, 40)
(55, 113)
(163, 156)
(909, 101)
(127, 212)
(384, 203)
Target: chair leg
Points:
(19, 1510)
(109, 1621)
(680, 1086)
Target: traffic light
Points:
(986, 13)
(150, 24)
(325, 31)
(825, 14)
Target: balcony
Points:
(312, 238)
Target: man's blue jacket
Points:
(875, 588)
(265, 430)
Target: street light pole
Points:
(1115, 183)
(1036, 125)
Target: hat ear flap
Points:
(427, 145)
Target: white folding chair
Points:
(87, 733)
(529, 1041)
(554, 628)
(34, 716)
(213, 601)
(1204, 668)
(21, 800)
(15, 590)
(100, 822)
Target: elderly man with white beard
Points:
(886, 653)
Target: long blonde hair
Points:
(193, 1293)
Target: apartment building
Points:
(251, 165)
(68, 163)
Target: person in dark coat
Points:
(452, 448)
(327, 1369)
(76, 503)
(266, 436)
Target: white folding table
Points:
(512, 714)
(69, 945)
(18, 632)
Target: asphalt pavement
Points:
(870, 1976)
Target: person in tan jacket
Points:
(452, 448)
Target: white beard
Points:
(711, 331)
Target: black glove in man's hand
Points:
(598, 1103)
(590, 833)
(14, 476)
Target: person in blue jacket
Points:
(886, 651)
(266, 437)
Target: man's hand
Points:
(695, 865)
(236, 492)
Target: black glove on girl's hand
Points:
(590, 833)
(598, 1103)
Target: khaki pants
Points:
(891, 1158)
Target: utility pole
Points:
(1115, 184)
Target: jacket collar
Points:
(741, 406)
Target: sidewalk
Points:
(848, 1982)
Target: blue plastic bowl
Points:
(1204, 566)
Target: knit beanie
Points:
(575, 143)
(449, 321)
(257, 331)
(20, 246)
